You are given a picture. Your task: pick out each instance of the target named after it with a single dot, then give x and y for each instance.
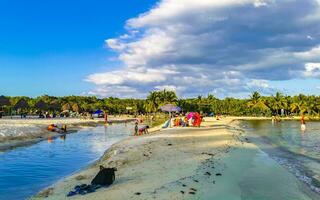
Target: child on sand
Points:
(136, 129)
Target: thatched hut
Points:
(21, 104)
(41, 105)
(4, 101)
(55, 106)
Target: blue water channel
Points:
(26, 170)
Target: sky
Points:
(126, 48)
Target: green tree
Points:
(257, 103)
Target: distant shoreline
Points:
(75, 124)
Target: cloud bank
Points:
(226, 48)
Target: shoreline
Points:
(73, 125)
(180, 156)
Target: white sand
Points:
(183, 163)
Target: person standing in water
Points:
(105, 118)
(303, 123)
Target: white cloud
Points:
(312, 70)
(139, 75)
(230, 46)
(311, 55)
(258, 83)
(115, 91)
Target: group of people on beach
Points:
(56, 128)
(140, 130)
(191, 119)
(180, 121)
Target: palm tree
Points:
(167, 97)
(298, 104)
(279, 102)
(148, 106)
(257, 103)
(153, 100)
(311, 105)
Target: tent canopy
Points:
(98, 112)
(170, 108)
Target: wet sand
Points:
(213, 162)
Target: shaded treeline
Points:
(255, 105)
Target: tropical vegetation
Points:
(255, 105)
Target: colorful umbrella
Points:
(170, 108)
(190, 115)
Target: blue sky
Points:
(49, 47)
(127, 48)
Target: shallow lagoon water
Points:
(26, 170)
(297, 151)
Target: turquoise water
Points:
(297, 151)
(24, 171)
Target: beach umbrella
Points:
(170, 108)
(191, 115)
(4, 101)
(21, 104)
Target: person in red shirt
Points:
(105, 117)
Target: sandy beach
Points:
(216, 161)
(21, 132)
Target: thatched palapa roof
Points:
(22, 103)
(4, 101)
(41, 105)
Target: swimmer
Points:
(303, 123)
